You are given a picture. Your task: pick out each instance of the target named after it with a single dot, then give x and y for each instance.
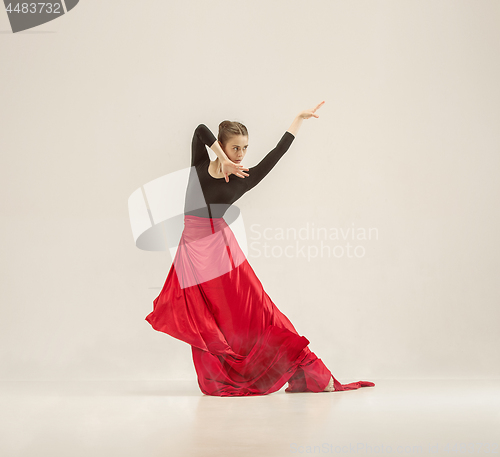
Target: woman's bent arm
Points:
(218, 151)
(202, 136)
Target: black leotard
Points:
(218, 195)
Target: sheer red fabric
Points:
(242, 344)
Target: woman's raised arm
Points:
(258, 172)
(306, 114)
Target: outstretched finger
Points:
(317, 107)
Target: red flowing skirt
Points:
(242, 344)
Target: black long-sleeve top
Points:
(219, 195)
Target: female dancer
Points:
(242, 344)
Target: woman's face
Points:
(236, 148)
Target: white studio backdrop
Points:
(104, 100)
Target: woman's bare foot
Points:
(330, 387)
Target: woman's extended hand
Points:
(306, 114)
(229, 167)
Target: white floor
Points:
(165, 418)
